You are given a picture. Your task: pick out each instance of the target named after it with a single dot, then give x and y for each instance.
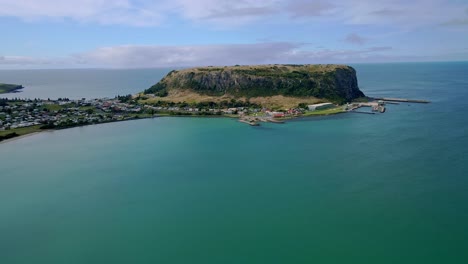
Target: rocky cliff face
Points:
(333, 82)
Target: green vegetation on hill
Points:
(337, 83)
(9, 88)
(8, 134)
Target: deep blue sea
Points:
(351, 188)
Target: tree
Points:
(303, 105)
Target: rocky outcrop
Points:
(336, 83)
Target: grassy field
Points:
(53, 107)
(275, 102)
(19, 132)
(278, 67)
(7, 88)
(330, 111)
(84, 108)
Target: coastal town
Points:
(17, 115)
(24, 116)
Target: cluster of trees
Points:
(158, 89)
(16, 99)
(8, 136)
(209, 105)
(3, 101)
(195, 114)
(124, 98)
(9, 88)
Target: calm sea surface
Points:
(353, 188)
(82, 83)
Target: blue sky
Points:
(141, 33)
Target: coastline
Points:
(156, 116)
(22, 136)
(51, 130)
(10, 88)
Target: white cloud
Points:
(123, 12)
(218, 55)
(229, 54)
(401, 13)
(161, 56)
(25, 62)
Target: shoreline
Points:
(57, 129)
(7, 90)
(152, 117)
(22, 136)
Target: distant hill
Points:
(9, 88)
(336, 83)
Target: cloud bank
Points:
(134, 56)
(399, 13)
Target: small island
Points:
(10, 88)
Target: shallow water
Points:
(351, 188)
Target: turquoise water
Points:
(80, 83)
(352, 188)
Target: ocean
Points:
(350, 188)
(80, 83)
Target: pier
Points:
(254, 121)
(249, 122)
(402, 100)
(378, 104)
(362, 112)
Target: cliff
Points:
(337, 83)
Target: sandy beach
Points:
(20, 137)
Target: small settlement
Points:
(64, 113)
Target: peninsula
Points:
(267, 93)
(10, 88)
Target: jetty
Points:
(378, 104)
(254, 121)
(249, 122)
(362, 112)
(402, 100)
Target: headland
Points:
(252, 94)
(10, 88)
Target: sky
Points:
(179, 33)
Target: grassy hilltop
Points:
(265, 84)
